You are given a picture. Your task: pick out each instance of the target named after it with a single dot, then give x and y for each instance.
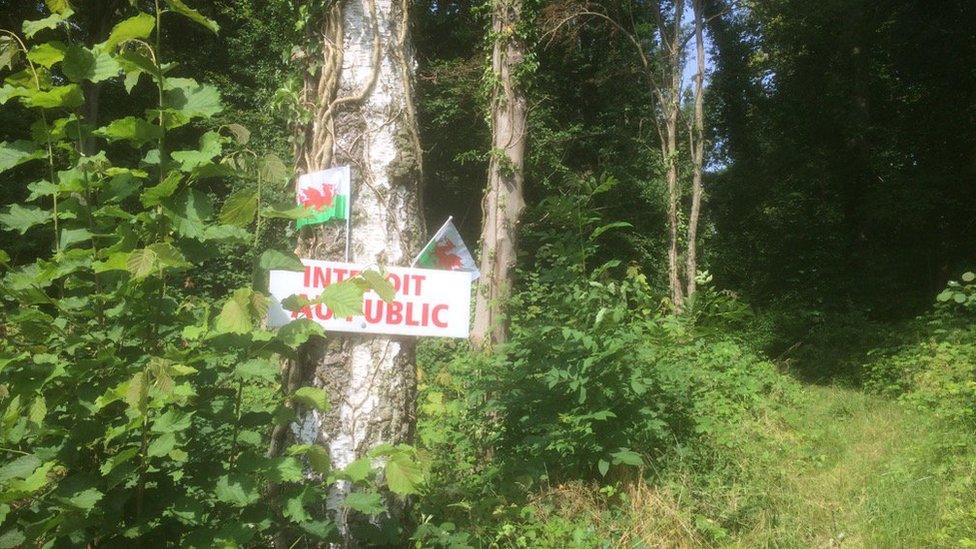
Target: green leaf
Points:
(9, 55)
(167, 255)
(181, 8)
(359, 470)
(82, 64)
(47, 54)
(141, 263)
(272, 169)
(241, 134)
(38, 411)
(367, 503)
(272, 260)
(21, 219)
(235, 316)
(312, 397)
(343, 299)
(379, 284)
(163, 445)
(138, 27)
(31, 28)
(136, 131)
(191, 98)
(403, 475)
(968, 276)
(58, 6)
(19, 468)
(154, 196)
(627, 457)
(256, 368)
(117, 261)
(286, 212)
(74, 236)
(172, 421)
(318, 458)
(295, 509)
(16, 153)
(239, 208)
(603, 466)
(86, 499)
(297, 332)
(69, 97)
(238, 490)
(209, 148)
(944, 295)
(12, 539)
(189, 212)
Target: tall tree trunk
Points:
(363, 116)
(503, 201)
(669, 100)
(697, 141)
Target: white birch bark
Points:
(363, 117)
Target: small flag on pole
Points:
(446, 251)
(326, 193)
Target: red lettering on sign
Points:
(374, 311)
(435, 315)
(394, 312)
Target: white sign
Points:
(427, 302)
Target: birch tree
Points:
(696, 142)
(503, 202)
(359, 97)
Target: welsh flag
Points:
(446, 251)
(326, 193)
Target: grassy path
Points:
(863, 473)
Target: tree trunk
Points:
(362, 116)
(669, 99)
(697, 151)
(503, 201)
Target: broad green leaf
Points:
(343, 299)
(603, 466)
(15, 153)
(141, 263)
(312, 397)
(85, 500)
(358, 470)
(136, 131)
(298, 331)
(181, 8)
(191, 98)
(37, 411)
(12, 539)
(286, 212)
(154, 196)
(189, 211)
(136, 392)
(172, 421)
(9, 55)
(968, 276)
(163, 445)
(241, 134)
(21, 219)
(21, 468)
(70, 237)
(235, 316)
(34, 482)
(379, 284)
(47, 54)
(117, 261)
(209, 148)
(138, 27)
(403, 475)
(367, 503)
(272, 260)
(58, 6)
(271, 168)
(68, 97)
(627, 457)
(318, 459)
(256, 368)
(82, 64)
(167, 255)
(237, 490)
(239, 208)
(31, 28)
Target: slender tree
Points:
(503, 201)
(360, 99)
(696, 141)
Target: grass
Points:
(842, 469)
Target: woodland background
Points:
(831, 340)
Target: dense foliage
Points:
(144, 169)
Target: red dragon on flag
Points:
(317, 198)
(445, 258)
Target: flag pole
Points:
(348, 212)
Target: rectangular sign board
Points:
(427, 302)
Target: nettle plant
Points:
(129, 407)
